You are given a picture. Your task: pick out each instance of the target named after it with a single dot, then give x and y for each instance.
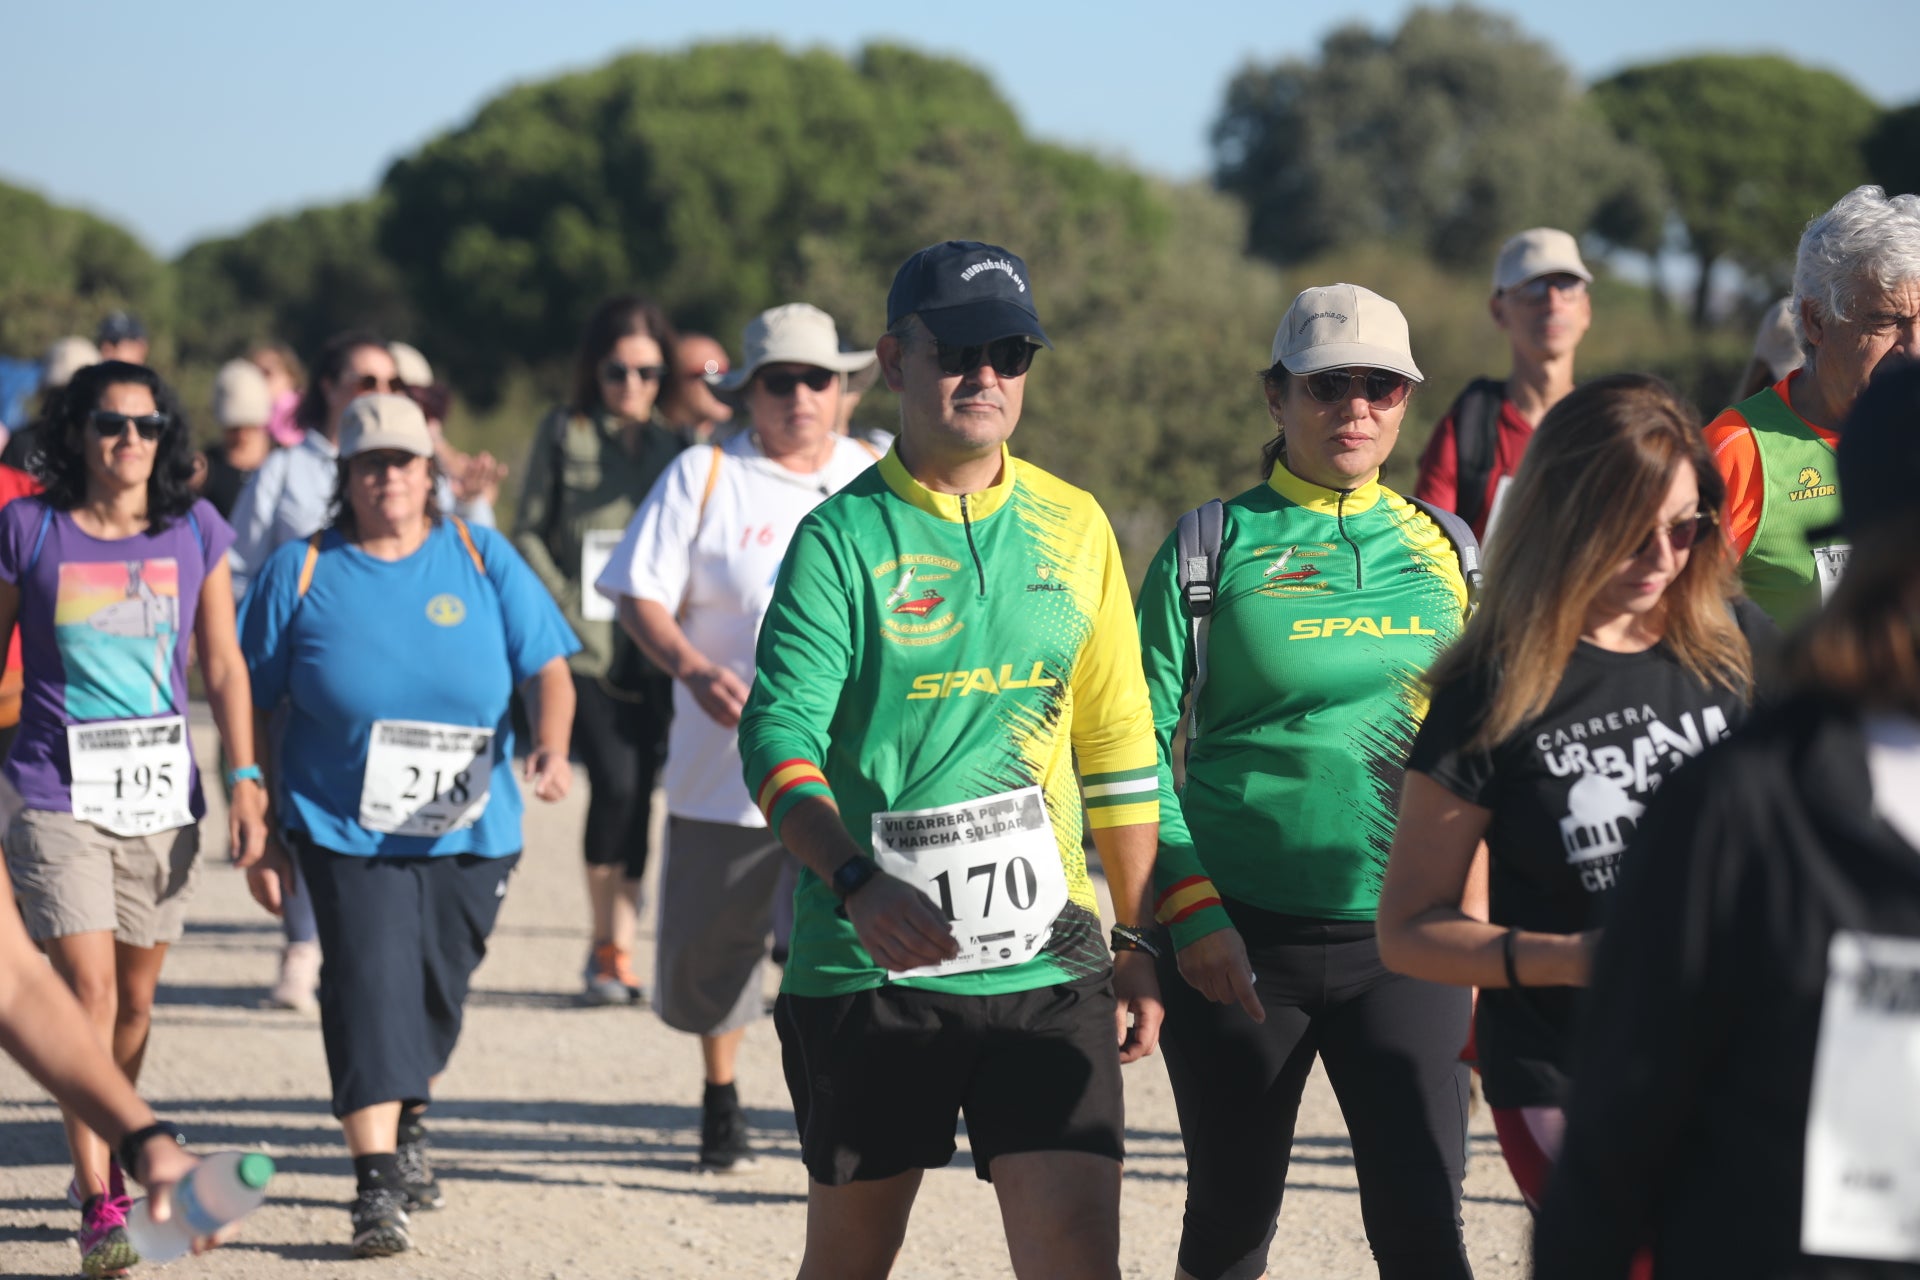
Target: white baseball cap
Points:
(410, 365)
(240, 395)
(794, 334)
(1334, 326)
(1541, 251)
(384, 422)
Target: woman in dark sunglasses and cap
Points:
(1300, 630)
(593, 459)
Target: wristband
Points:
(245, 773)
(1127, 938)
(134, 1143)
(1506, 954)
(852, 876)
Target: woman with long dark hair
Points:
(593, 459)
(107, 574)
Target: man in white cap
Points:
(691, 579)
(1540, 300)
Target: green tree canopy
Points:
(1447, 135)
(1892, 151)
(63, 269)
(1752, 148)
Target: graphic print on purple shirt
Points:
(101, 630)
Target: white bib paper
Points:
(1861, 1197)
(596, 549)
(425, 779)
(992, 866)
(132, 777)
(1829, 565)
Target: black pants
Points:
(621, 741)
(1391, 1046)
(399, 941)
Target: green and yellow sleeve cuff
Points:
(1123, 798)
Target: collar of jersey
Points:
(946, 506)
(1304, 493)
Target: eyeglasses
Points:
(614, 371)
(1010, 357)
(1681, 534)
(780, 385)
(1537, 289)
(372, 382)
(1383, 390)
(113, 426)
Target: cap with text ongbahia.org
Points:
(1541, 251)
(378, 422)
(1879, 454)
(966, 293)
(1335, 326)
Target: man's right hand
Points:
(720, 693)
(899, 926)
(1216, 966)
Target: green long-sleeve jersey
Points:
(925, 650)
(1331, 607)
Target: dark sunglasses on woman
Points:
(373, 382)
(113, 426)
(614, 371)
(1010, 357)
(1383, 390)
(1681, 534)
(780, 385)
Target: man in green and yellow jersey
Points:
(948, 636)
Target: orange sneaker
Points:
(610, 976)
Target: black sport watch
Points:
(852, 875)
(1127, 938)
(135, 1143)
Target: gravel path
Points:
(565, 1135)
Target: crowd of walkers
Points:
(1625, 820)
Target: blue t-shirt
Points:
(424, 638)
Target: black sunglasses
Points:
(1010, 357)
(1681, 534)
(780, 385)
(373, 382)
(614, 371)
(1384, 390)
(113, 426)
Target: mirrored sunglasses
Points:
(1383, 389)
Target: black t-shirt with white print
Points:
(1566, 792)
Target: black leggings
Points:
(621, 741)
(1392, 1051)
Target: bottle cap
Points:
(255, 1170)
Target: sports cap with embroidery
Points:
(1543, 251)
(66, 357)
(1335, 326)
(1879, 454)
(1777, 344)
(966, 294)
(794, 334)
(240, 395)
(410, 365)
(384, 422)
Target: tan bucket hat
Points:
(793, 334)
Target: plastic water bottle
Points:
(225, 1187)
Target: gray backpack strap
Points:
(1465, 545)
(1197, 543)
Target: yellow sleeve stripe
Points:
(1124, 815)
(784, 778)
(1185, 898)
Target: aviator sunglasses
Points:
(1010, 357)
(780, 385)
(113, 426)
(1681, 534)
(1383, 390)
(614, 371)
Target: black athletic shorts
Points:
(879, 1078)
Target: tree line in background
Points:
(725, 178)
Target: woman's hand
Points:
(550, 773)
(1216, 966)
(720, 693)
(270, 878)
(247, 822)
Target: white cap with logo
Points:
(1541, 251)
(384, 422)
(1335, 326)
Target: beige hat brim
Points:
(839, 362)
(1343, 355)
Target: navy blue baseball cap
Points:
(966, 293)
(120, 326)
(1879, 453)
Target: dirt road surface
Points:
(565, 1136)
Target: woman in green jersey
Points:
(1332, 595)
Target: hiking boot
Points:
(380, 1223)
(105, 1249)
(723, 1131)
(421, 1188)
(299, 978)
(610, 977)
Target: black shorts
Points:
(879, 1078)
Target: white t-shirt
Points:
(714, 569)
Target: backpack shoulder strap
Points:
(306, 565)
(868, 446)
(706, 494)
(466, 538)
(1197, 540)
(39, 539)
(1466, 547)
(1476, 441)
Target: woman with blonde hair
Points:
(1609, 648)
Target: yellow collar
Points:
(1304, 493)
(946, 506)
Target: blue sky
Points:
(189, 120)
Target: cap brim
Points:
(839, 362)
(1343, 355)
(1563, 269)
(978, 323)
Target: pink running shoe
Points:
(116, 1186)
(105, 1249)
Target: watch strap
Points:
(135, 1142)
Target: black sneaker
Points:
(416, 1170)
(380, 1223)
(723, 1131)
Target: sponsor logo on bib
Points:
(446, 611)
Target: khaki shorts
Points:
(73, 877)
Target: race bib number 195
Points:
(425, 779)
(131, 776)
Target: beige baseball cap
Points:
(1334, 326)
(1541, 251)
(793, 334)
(66, 357)
(384, 422)
(240, 395)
